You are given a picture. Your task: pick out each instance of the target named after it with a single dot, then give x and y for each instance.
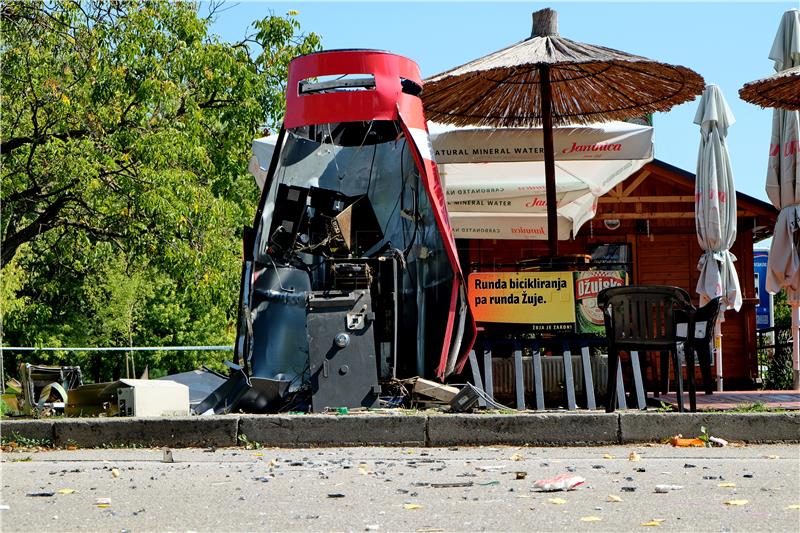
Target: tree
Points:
(124, 138)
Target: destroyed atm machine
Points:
(350, 275)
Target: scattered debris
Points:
(490, 468)
(43, 494)
(613, 498)
(633, 456)
(627, 489)
(736, 502)
(102, 502)
(718, 441)
(680, 442)
(167, 457)
(654, 522)
(559, 483)
(66, 491)
(687, 465)
(520, 475)
(450, 485)
(437, 391)
(795, 506)
(590, 519)
(557, 501)
(517, 457)
(607, 456)
(412, 506)
(5, 507)
(115, 472)
(335, 495)
(726, 485)
(772, 457)
(663, 489)
(747, 475)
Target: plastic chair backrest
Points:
(707, 317)
(643, 316)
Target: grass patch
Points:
(18, 441)
(247, 443)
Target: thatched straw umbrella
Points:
(550, 80)
(782, 90)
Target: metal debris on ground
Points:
(167, 456)
(450, 485)
(663, 489)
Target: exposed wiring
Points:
(278, 275)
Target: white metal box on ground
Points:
(143, 397)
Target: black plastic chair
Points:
(643, 318)
(702, 326)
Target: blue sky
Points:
(725, 42)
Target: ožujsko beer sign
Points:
(545, 300)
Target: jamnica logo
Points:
(596, 147)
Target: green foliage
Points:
(126, 130)
(777, 361)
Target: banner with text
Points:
(544, 300)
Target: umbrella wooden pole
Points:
(549, 160)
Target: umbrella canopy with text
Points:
(495, 179)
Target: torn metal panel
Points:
(201, 383)
(35, 378)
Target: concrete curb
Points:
(520, 429)
(748, 427)
(329, 430)
(177, 432)
(399, 429)
(32, 430)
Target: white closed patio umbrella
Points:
(783, 184)
(715, 210)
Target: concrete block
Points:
(329, 430)
(748, 427)
(544, 429)
(31, 430)
(176, 432)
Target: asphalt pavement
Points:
(735, 488)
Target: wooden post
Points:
(549, 160)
